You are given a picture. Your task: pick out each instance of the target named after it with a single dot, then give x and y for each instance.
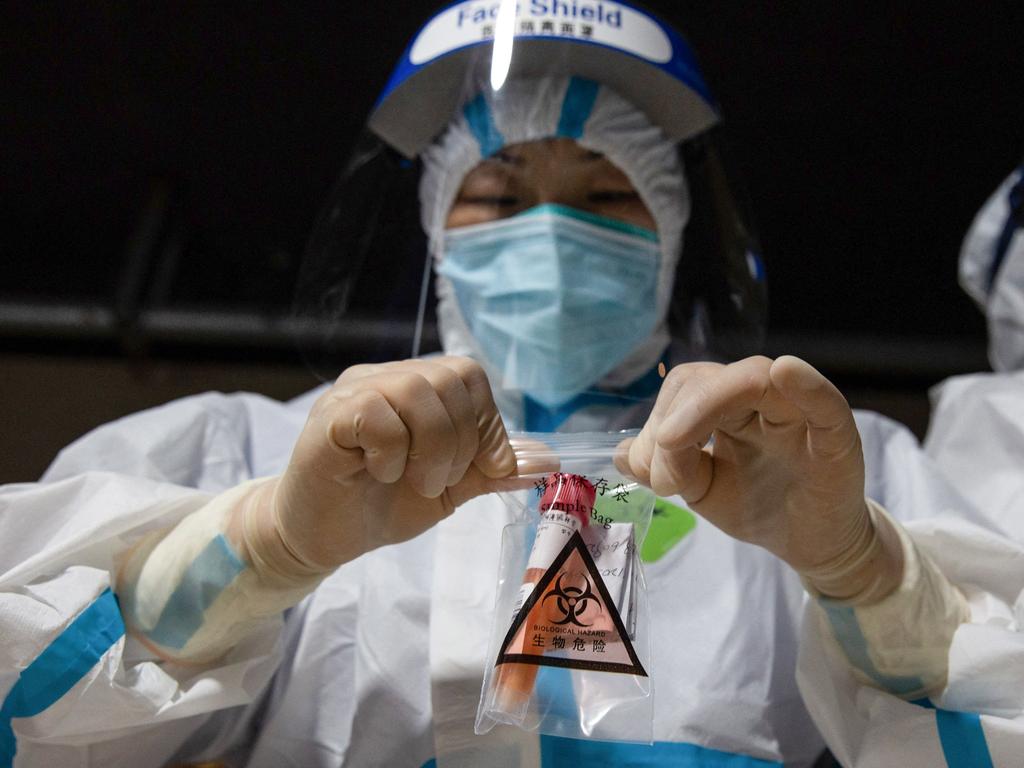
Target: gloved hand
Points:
(386, 453)
(769, 452)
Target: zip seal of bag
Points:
(569, 653)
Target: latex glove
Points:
(386, 453)
(769, 452)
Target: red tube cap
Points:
(572, 494)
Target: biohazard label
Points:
(570, 620)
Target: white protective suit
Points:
(977, 429)
(382, 664)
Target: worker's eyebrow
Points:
(507, 158)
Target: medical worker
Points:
(976, 432)
(311, 583)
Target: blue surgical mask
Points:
(555, 297)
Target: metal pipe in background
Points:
(884, 357)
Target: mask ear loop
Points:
(421, 310)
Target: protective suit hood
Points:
(992, 271)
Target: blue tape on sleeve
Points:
(961, 736)
(558, 751)
(848, 633)
(60, 666)
(215, 567)
(963, 739)
(576, 107)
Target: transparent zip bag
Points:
(569, 651)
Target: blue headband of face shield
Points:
(555, 297)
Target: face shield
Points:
(541, 186)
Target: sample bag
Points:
(570, 642)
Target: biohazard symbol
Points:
(603, 645)
(572, 601)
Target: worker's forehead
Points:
(551, 153)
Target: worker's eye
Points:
(613, 196)
(504, 157)
(494, 201)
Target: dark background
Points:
(161, 166)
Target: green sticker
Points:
(669, 525)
